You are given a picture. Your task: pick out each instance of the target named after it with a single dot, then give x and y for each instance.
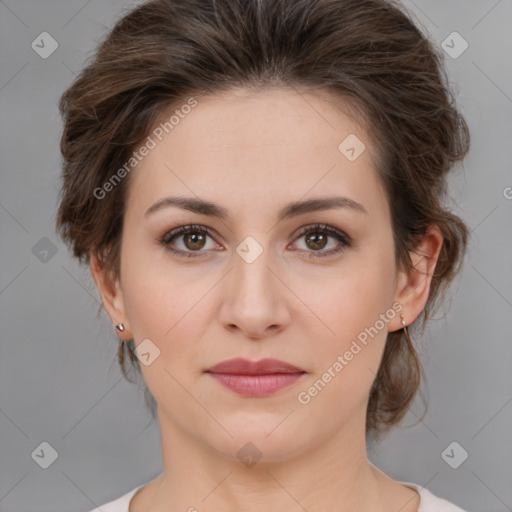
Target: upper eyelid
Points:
(322, 226)
(184, 229)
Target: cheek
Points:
(356, 306)
(161, 312)
(154, 291)
(355, 297)
(346, 363)
(168, 305)
(164, 310)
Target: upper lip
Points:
(240, 366)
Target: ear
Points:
(111, 295)
(413, 285)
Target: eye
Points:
(316, 238)
(194, 239)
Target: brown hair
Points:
(367, 52)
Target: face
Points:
(316, 288)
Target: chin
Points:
(261, 441)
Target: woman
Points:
(257, 187)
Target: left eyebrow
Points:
(294, 209)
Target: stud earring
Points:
(120, 327)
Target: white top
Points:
(428, 501)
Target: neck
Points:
(331, 474)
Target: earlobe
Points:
(110, 292)
(413, 285)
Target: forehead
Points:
(272, 117)
(255, 145)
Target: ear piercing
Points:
(406, 333)
(120, 328)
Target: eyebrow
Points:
(294, 209)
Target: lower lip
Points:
(257, 385)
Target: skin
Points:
(252, 153)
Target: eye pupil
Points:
(194, 237)
(318, 236)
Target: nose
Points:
(254, 300)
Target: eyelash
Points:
(323, 229)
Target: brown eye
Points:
(317, 238)
(316, 241)
(193, 240)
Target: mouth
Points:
(255, 378)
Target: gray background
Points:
(60, 382)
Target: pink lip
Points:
(255, 378)
(240, 366)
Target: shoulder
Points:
(120, 504)
(430, 502)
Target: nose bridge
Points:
(254, 301)
(252, 273)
